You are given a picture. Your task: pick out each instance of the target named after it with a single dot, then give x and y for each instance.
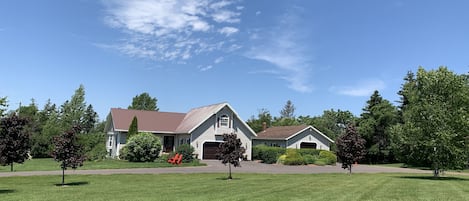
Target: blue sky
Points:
(253, 54)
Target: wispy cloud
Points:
(363, 88)
(284, 48)
(205, 68)
(228, 30)
(172, 30)
(218, 60)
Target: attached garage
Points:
(210, 150)
(308, 145)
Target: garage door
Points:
(308, 145)
(210, 150)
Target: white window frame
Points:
(225, 121)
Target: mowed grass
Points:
(242, 187)
(44, 164)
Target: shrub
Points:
(97, 153)
(281, 159)
(320, 162)
(310, 159)
(164, 158)
(313, 152)
(94, 146)
(267, 154)
(256, 151)
(187, 152)
(329, 157)
(143, 147)
(293, 157)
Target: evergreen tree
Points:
(377, 117)
(288, 110)
(3, 105)
(90, 118)
(133, 128)
(73, 111)
(48, 126)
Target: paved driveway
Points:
(214, 166)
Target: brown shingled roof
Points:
(280, 132)
(149, 121)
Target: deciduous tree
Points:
(68, 151)
(144, 102)
(14, 140)
(350, 147)
(257, 123)
(435, 127)
(230, 151)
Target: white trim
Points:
(310, 127)
(218, 110)
(202, 147)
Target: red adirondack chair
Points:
(178, 160)
(172, 160)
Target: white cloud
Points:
(172, 30)
(258, 12)
(226, 16)
(284, 48)
(363, 88)
(218, 60)
(228, 30)
(206, 68)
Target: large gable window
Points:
(224, 121)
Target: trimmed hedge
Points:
(310, 159)
(329, 157)
(285, 156)
(267, 154)
(294, 158)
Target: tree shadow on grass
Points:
(434, 178)
(4, 191)
(80, 183)
(226, 178)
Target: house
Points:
(202, 128)
(298, 137)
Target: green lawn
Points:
(49, 164)
(243, 187)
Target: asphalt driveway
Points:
(214, 166)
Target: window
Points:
(224, 120)
(110, 141)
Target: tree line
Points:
(429, 126)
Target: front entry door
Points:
(168, 143)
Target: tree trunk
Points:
(229, 167)
(350, 169)
(63, 176)
(11, 167)
(436, 172)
